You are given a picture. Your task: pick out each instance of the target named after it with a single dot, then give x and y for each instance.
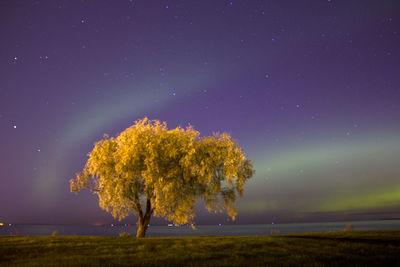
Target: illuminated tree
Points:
(150, 170)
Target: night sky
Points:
(309, 89)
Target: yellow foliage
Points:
(165, 171)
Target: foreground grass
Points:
(342, 248)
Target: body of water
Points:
(202, 230)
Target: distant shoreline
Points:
(229, 223)
(201, 230)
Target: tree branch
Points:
(149, 210)
(138, 207)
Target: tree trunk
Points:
(142, 228)
(144, 221)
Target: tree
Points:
(150, 170)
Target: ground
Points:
(333, 249)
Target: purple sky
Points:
(309, 89)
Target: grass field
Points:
(333, 249)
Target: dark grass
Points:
(355, 248)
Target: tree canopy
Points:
(150, 170)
